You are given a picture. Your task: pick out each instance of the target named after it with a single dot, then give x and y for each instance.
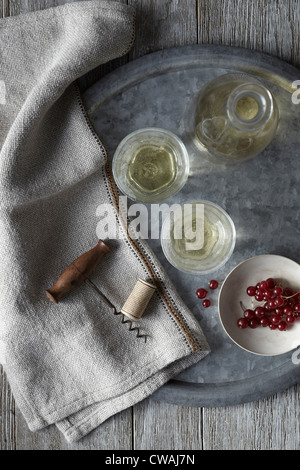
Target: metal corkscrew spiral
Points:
(110, 305)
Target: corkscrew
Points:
(78, 272)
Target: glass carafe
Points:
(236, 116)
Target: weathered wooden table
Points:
(272, 26)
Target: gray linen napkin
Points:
(73, 364)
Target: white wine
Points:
(198, 242)
(152, 168)
(150, 165)
(213, 238)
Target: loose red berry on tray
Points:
(201, 293)
(206, 303)
(242, 323)
(251, 290)
(213, 284)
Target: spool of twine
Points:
(138, 300)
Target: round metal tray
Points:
(261, 195)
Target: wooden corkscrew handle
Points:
(77, 272)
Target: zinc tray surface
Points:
(260, 194)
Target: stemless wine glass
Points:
(150, 165)
(182, 228)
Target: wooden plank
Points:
(269, 424)
(7, 415)
(17, 7)
(270, 26)
(161, 426)
(115, 433)
(164, 23)
(4, 8)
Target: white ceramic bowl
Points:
(262, 341)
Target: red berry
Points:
(259, 312)
(201, 293)
(263, 285)
(290, 302)
(264, 321)
(275, 319)
(249, 314)
(213, 284)
(272, 304)
(282, 326)
(242, 323)
(290, 319)
(278, 290)
(287, 310)
(297, 308)
(268, 293)
(272, 326)
(206, 303)
(251, 290)
(288, 292)
(278, 302)
(253, 323)
(268, 306)
(279, 311)
(259, 296)
(271, 283)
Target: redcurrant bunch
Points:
(279, 307)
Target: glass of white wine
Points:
(150, 165)
(198, 241)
